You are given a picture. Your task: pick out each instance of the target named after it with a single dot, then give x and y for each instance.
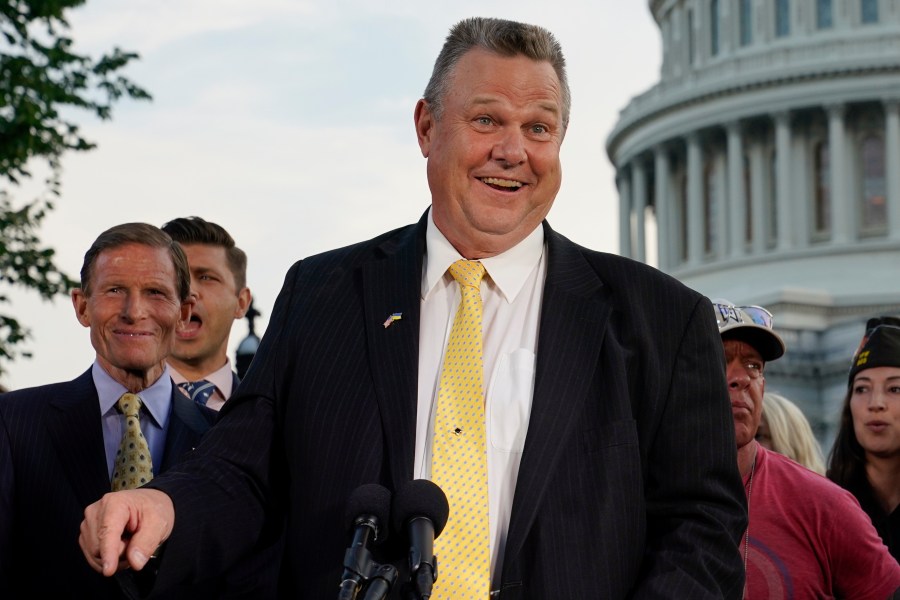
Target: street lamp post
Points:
(247, 348)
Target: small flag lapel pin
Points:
(394, 317)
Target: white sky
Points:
(289, 123)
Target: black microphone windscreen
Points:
(420, 498)
(370, 499)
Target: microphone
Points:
(368, 510)
(421, 509)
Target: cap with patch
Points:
(879, 347)
(751, 324)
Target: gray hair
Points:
(506, 38)
(145, 235)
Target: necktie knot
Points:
(467, 272)
(199, 391)
(129, 405)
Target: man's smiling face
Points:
(493, 156)
(133, 310)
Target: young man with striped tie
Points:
(199, 361)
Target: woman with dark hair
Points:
(865, 458)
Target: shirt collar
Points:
(508, 270)
(222, 378)
(157, 398)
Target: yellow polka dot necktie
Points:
(133, 466)
(459, 452)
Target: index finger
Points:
(102, 534)
(127, 526)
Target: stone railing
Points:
(810, 57)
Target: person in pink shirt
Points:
(806, 537)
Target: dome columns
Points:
(892, 158)
(758, 184)
(783, 180)
(737, 193)
(845, 212)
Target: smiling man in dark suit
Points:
(59, 442)
(602, 444)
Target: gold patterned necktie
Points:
(459, 451)
(133, 466)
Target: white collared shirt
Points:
(511, 294)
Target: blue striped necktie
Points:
(198, 391)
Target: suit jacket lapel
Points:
(74, 425)
(187, 423)
(392, 284)
(574, 313)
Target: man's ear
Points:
(186, 307)
(79, 302)
(425, 123)
(244, 298)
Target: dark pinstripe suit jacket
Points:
(628, 485)
(52, 465)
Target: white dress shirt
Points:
(511, 294)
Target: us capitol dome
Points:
(764, 168)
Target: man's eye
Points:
(754, 369)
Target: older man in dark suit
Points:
(593, 416)
(60, 443)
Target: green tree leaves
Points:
(42, 78)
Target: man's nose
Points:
(736, 375)
(510, 148)
(134, 307)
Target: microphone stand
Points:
(382, 581)
(360, 571)
(358, 563)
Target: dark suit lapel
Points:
(74, 424)
(187, 423)
(392, 284)
(574, 314)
